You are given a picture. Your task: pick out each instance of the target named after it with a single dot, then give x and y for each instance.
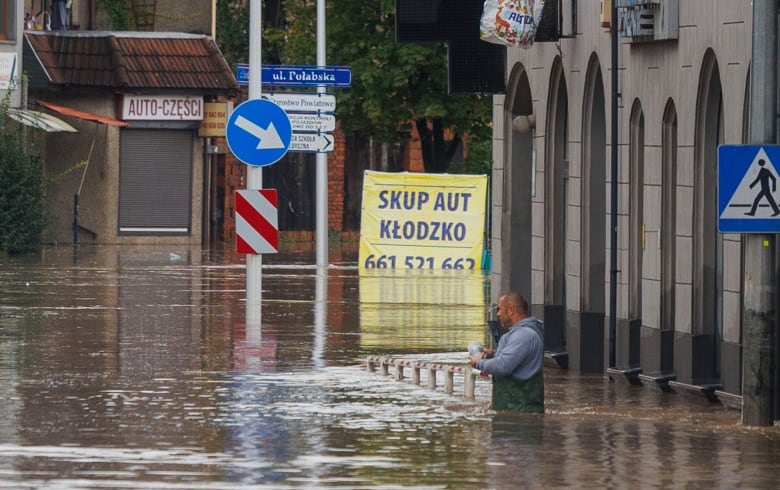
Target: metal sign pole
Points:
(322, 158)
(254, 262)
(321, 300)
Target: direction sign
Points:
(298, 75)
(748, 201)
(259, 132)
(307, 102)
(304, 122)
(317, 143)
(242, 74)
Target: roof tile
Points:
(132, 60)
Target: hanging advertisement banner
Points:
(422, 221)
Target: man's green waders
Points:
(519, 395)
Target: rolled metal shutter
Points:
(155, 181)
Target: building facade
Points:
(11, 16)
(134, 172)
(683, 89)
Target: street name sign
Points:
(298, 75)
(307, 76)
(259, 132)
(242, 74)
(306, 102)
(312, 142)
(748, 201)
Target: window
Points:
(7, 20)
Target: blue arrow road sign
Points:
(748, 181)
(259, 132)
(298, 75)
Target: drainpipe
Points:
(613, 241)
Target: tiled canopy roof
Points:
(132, 60)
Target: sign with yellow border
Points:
(422, 221)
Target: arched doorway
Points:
(555, 191)
(587, 355)
(658, 350)
(697, 355)
(627, 335)
(517, 190)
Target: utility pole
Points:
(758, 321)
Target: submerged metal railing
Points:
(469, 374)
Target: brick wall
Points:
(414, 158)
(336, 182)
(235, 178)
(235, 173)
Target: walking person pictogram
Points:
(764, 176)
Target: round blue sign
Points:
(259, 132)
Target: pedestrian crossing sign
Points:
(748, 181)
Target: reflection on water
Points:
(135, 368)
(422, 310)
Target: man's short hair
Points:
(517, 299)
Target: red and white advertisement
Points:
(145, 107)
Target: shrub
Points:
(23, 212)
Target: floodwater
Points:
(135, 368)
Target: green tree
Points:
(395, 87)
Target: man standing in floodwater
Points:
(764, 176)
(516, 364)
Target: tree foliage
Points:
(395, 87)
(233, 31)
(119, 13)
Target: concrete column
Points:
(758, 378)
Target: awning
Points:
(69, 111)
(40, 120)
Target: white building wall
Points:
(497, 196)
(654, 73)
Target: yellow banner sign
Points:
(422, 221)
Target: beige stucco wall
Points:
(99, 195)
(66, 151)
(192, 16)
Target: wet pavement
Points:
(134, 368)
